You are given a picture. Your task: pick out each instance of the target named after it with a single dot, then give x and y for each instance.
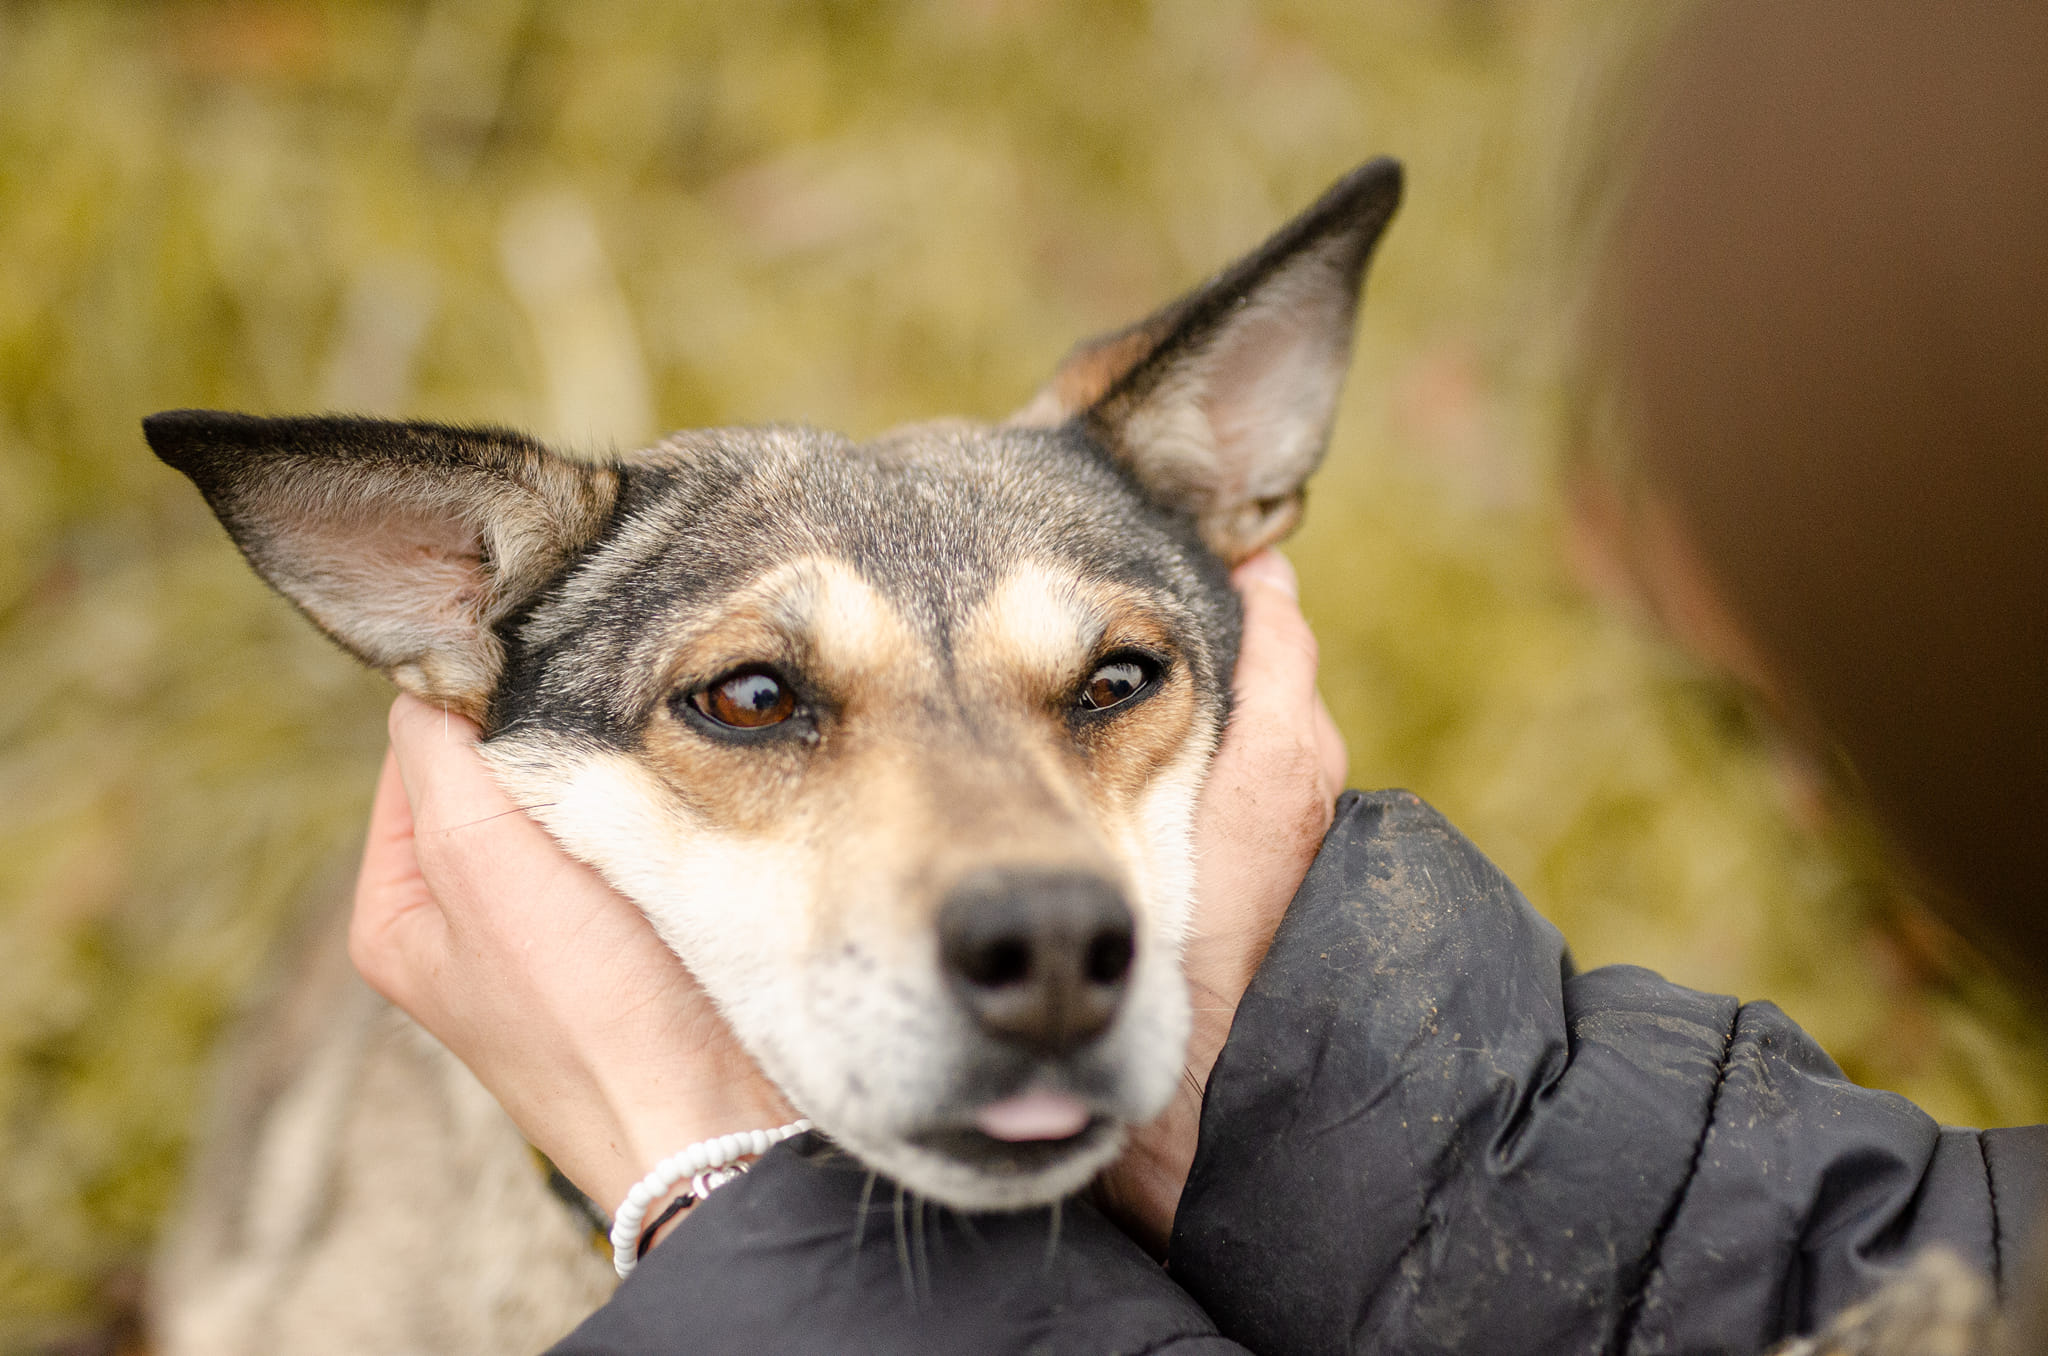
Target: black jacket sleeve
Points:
(808, 1253)
(1427, 1134)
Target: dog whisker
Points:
(860, 1218)
(517, 809)
(920, 1255)
(903, 1251)
(1052, 1236)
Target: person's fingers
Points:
(1276, 664)
(387, 849)
(468, 834)
(506, 888)
(1267, 803)
(1268, 566)
(412, 721)
(1277, 753)
(396, 930)
(1277, 668)
(1331, 751)
(423, 737)
(399, 934)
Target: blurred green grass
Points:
(603, 220)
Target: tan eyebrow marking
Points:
(1033, 630)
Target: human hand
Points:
(1268, 801)
(470, 918)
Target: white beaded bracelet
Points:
(708, 1162)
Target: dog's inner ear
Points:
(407, 543)
(1220, 404)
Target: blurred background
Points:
(605, 220)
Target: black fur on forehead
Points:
(931, 516)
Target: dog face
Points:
(897, 744)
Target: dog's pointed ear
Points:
(405, 542)
(1220, 404)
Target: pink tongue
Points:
(1033, 1115)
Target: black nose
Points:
(1039, 957)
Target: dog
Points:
(897, 744)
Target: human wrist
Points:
(646, 1103)
(649, 1135)
(684, 1178)
(659, 1113)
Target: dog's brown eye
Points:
(1114, 684)
(747, 700)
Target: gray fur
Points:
(931, 516)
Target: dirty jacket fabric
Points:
(1425, 1134)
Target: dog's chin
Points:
(969, 1170)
